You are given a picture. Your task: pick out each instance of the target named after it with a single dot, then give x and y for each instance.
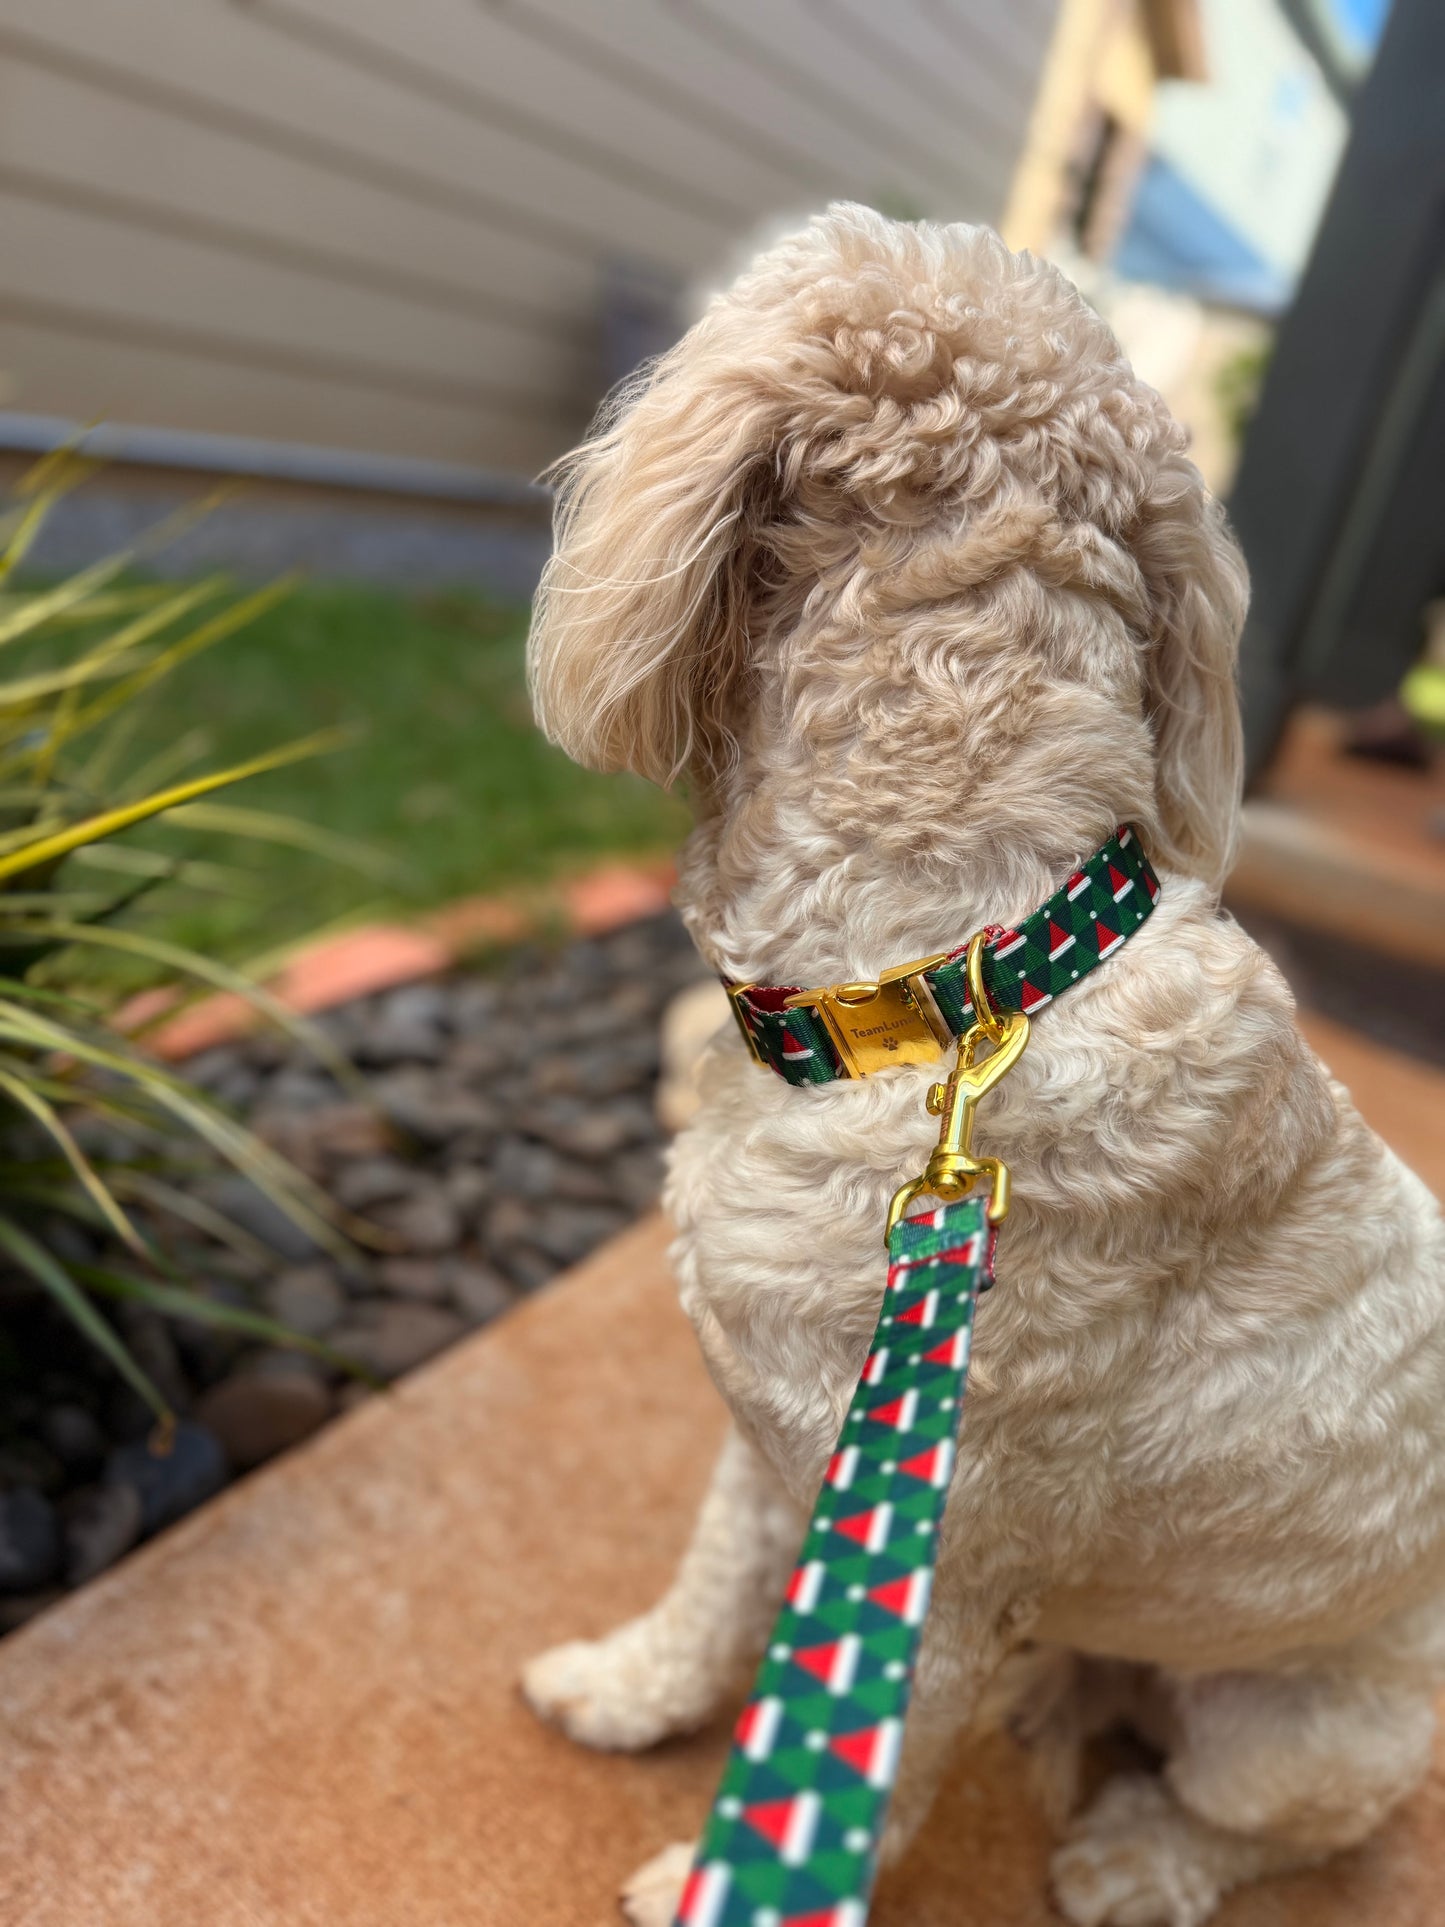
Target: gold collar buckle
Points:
(893, 1021)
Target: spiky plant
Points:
(91, 1127)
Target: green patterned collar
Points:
(913, 1013)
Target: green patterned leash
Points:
(793, 1836)
(792, 1840)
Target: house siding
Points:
(400, 229)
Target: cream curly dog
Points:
(899, 565)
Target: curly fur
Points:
(894, 559)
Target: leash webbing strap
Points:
(792, 1840)
(1086, 919)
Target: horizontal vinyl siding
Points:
(173, 384)
(391, 227)
(78, 133)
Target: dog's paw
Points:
(602, 1693)
(1134, 1861)
(652, 1896)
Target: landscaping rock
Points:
(523, 1170)
(470, 1187)
(399, 1040)
(603, 1070)
(567, 1232)
(307, 1299)
(100, 1523)
(473, 1008)
(426, 1004)
(258, 1413)
(240, 1200)
(372, 1181)
(320, 1139)
(580, 1131)
(583, 1183)
(26, 1462)
(225, 1073)
(297, 1088)
(426, 1221)
(509, 1222)
(407, 1097)
(483, 1058)
(74, 1435)
(209, 1068)
(29, 1541)
(479, 1291)
(512, 1130)
(127, 1415)
(638, 1176)
(207, 1350)
(170, 1484)
(527, 1267)
(390, 1336)
(422, 1279)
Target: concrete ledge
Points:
(1326, 878)
(1346, 845)
(298, 1708)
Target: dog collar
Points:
(914, 1011)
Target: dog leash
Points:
(792, 1839)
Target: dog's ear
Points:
(1198, 589)
(639, 635)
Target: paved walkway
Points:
(298, 1708)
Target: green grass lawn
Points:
(449, 785)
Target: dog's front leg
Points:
(666, 1672)
(965, 1641)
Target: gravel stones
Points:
(568, 1232)
(511, 1128)
(372, 1181)
(424, 1221)
(306, 1299)
(578, 1131)
(420, 1279)
(29, 1540)
(258, 1412)
(101, 1522)
(390, 1336)
(170, 1484)
(403, 1032)
(479, 1291)
(240, 1201)
(74, 1434)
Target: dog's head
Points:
(896, 516)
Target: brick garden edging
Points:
(380, 956)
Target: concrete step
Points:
(1352, 847)
(298, 1708)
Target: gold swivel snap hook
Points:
(952, 1168)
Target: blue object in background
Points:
(1177, 240)
(1361, 21)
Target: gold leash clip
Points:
(952, 1168)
